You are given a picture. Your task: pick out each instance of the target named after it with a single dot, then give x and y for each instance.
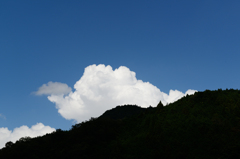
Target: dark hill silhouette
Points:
(204, 125)
(121, 112)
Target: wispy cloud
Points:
(2, 116)
(102, 88)
(55, 88)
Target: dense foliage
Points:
(204, 125)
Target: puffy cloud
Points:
(53, 88)
(176, 95)
(36, 130)
(102, 88)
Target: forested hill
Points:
(121, 112)
(204, 125)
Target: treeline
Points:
(204, 125)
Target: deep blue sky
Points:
(172, 44)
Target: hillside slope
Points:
(203, 125)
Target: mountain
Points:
(121, 112)
(204, 125)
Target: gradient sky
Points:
(172, 44)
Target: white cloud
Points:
(53, 88)
(36, 130)
(176, 95)
(102, 88)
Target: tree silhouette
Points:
(9, 144)
(160, 105)
(24, 139)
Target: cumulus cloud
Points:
(175, 95)
(102, 88)
(36, 130)
(55, 88)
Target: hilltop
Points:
(203, 125)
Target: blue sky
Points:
(174, 45)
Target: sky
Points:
(62, 62)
